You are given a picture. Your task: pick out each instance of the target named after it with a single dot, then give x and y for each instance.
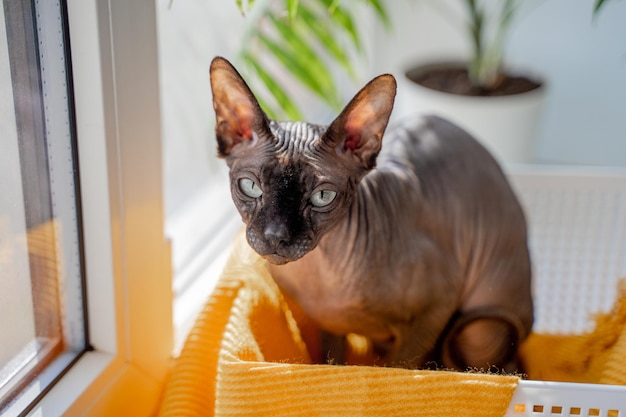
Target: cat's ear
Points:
(358, 131)
(237, 111)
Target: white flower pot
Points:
(505, 125)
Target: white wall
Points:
(584, 62)
(190, 34)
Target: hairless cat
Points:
(420, 245)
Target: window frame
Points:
(127, 257)
(40, 83)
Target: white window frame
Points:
(127, 258)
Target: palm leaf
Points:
(381, 12)
(327, 39)
(242, 9)
(333, 5)
(292, 8)
(307, 35)
(282, 98)
(314, 72)
(597, 6)
(343, 20)
(295, 66)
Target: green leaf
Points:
(245, 9)
(240, 5)
(281, 97)
(274, 113)
(292, 7)
(293, 66)
(327, 39)
(311, 70)
(508, 12)
(381, 12)
(343, 19)
(303, 40)
(597, 6)
(333, 6)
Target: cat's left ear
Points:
(357, 132)
(237, 111)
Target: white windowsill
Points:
(73, 384)
(201, 233)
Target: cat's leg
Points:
(481, 338)
(414, 343)
(332, 348)
(422, 313)
(496, 313)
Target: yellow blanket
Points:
(247, 355)
(597, 357)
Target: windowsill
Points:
(68, 389)
(201, 233)
(100, 384)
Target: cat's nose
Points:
(276, 232)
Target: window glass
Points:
(41, 281)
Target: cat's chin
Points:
(277, 259)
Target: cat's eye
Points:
(250, 188)
(323, 198)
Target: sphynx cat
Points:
(420, 245)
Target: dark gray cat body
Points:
(425, 254)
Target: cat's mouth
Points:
(277, 259)
(278, 253)
(280, 259)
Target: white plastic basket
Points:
(577, 229)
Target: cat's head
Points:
(294, 181)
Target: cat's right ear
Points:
(237, 111)
(356, 134)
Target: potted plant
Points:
(315, 43)
(304, 36)
(498, 105)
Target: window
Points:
(126, 257)
(42, 310)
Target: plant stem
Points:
(485, 64)
(476, 35)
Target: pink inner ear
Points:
(357, 123)
(243, 120)
(246, 132)
(352, 140)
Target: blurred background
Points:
(580, 55)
